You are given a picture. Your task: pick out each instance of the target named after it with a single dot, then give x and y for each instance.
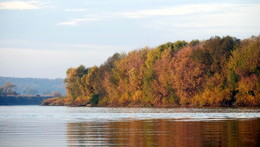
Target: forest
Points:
(220, 71)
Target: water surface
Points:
(75, 126)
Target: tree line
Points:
(35, 86)
(220, 71)
(10, 89)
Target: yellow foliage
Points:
(137, 97)
(211, 97)
(81, 101)
(247, 84)
(124, 99)
(173, 74)
(249, 90)
(56, 101)
(105, 101)
(245, 99)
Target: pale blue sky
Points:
(43, 38)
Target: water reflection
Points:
(163, 132)
(88, 126)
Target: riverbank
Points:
(23, 100)
(61, 101)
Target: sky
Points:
(43, 38)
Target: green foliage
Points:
(94, 99)
(179, 45)
(202, 56)
(232, 79)
(194, 43)
(220, 50)
(174, 46)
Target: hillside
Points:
(35, 86)
(220, 71)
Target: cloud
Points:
(75, 22)
(21, 5)
(177, 10)
(168, 12)
(185, 10)
(75, 10)
(217, 17)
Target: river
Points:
(99, 126)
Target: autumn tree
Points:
(106, 67)
(8, 89)
(73, 82)
(162, 85)
(126, 78)
(187, 76)
(244, 72)
(220, 71)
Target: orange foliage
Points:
(187, 75)
(216, 72)
(249, 92)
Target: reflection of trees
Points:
(166, 133)
(87, 133)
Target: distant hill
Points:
(35, 86)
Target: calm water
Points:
(75, 126)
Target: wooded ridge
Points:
(220, 71)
